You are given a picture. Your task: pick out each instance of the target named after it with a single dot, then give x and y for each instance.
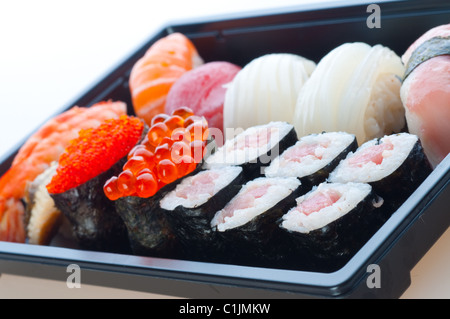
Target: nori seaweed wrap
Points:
(313, 157)
(329, 225)
(254, 148)
(149, 230)
(77, 188)
(394, 166)
(246, 227)
(429, 49)
(193, 203)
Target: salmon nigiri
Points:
(37, 154)
(154, 74)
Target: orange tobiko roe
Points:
(95, 151)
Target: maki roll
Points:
(76, 188)
(329, 224)
(173, 148)
(246, 227)
(254, 148)
(191, 205)
(394, 165)
(313, 157)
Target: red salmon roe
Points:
(170, 150)
(180, 134)
(192, 119)
(198, 131)
(135, 164)
(146, 155)
(178, 150)
(183, 111)
(156, 133)
(185, 166)
(95, 151)
(111, 190)
(134, 149)
(174, 121)
(146, 185)
(159, 118)
(162, 152)
(126, 183)
(167, 171)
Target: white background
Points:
(52, 51)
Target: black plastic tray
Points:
(311, 31)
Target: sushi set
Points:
(222, 159)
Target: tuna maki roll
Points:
(191, 205)
(394, 165)
(254, 148)
(313, 157)
(82, 170)
(329, 224)
(246, 227)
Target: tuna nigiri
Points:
(36, 155)
(425, 91)
(154, 74)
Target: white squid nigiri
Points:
(265, 90)
(355, 88)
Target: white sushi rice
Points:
(232, 152)
(370, 171)
(194, 199)
(351, 195)
(278, 189)
(331, 144)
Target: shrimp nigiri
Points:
(154, 74)
(37, 154)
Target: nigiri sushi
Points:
(203, 90)
(265, 90)
(153, 75)
(76, 188)
(356, 89)
(425, 91)
(37, 154)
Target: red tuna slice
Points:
(318, 201)
(203, 90)
(370, 154)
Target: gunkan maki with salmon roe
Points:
(174, 148)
